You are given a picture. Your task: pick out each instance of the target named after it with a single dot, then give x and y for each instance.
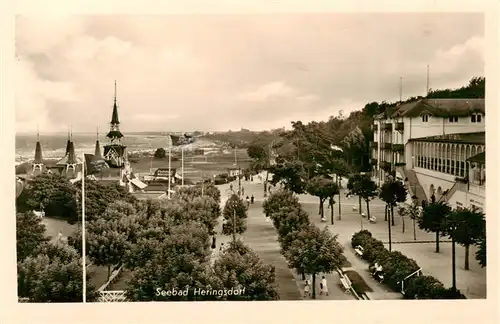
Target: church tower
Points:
(97, 152)
(114, 153)
(38, 161)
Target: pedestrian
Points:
(231, 187)
(307, 289)
(248, 201)
(252, 199)
(323, 286)
(221, 246)
(214, 244)
(433, 198)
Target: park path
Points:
(261, 236)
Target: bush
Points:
(360, 238)
(424, 287)
(396, 266)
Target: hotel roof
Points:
(440, 108)
(461, 138)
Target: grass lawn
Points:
(358, 283)
(53, 226)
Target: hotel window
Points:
(476, 118)
(453, 119)
(425, 118)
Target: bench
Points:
(359, 250)
(345, 285)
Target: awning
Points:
(478, 158)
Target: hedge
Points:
(397, 266)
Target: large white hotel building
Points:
(437, 146)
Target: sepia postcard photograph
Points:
(301, 156)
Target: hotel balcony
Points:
(374, 161)
(398, 147)
(386, 146)
(400, 127)
(387, 127)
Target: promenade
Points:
(262, 237)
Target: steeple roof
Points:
(114, 116)
(71, 155)
(97, 152)
(38, 151)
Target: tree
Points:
(54, 275)
(466, 226)
(30, 234)
(393, 192)
(235, 214)
(340, 168)
(291, 174)
(98, 195)
(322, 188)
(278, 199)
(315, 251)
(166, 273)
(246, 271)
(51, 192)
(160, 153)
(481, 252)
(364, 187)
(289, 219)
(106, 243)
(189, 238)
(413, 212)
(354, 187)
(432, 217)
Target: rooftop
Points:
(478, 158)
(440, 108)
(462, 138)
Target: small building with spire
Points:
(69, 165)
(115, 152)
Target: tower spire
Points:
(114, 117)
(38, 161)
(68, 141)
(97, 152)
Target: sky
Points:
(221, 72)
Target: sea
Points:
(54, 145)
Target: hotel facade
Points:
(437, 147)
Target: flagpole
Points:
(84, 291)
(169, 166)
(182, 164)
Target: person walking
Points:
(252, 199)
(323, 285)
(307, 289)
(247, 199)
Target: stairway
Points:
(414, 185)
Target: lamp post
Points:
(453, 263)
(389, 226)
